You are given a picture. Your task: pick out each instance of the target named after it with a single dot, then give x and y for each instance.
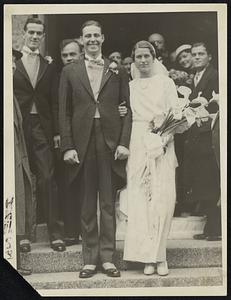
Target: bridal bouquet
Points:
(182, 116)
(176, 120)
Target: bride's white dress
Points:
(149, 198)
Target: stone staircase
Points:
(193, 277)
(180, 254)
(191, 263)
(181, 228)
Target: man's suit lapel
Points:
(106, 74)
(203, 82)
(85, 80)
(15, 113)
(84, 77)
(22, 70)
(42, 69)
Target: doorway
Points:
(123, 30)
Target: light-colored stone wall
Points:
(18, 22)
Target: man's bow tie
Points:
(32, 53)
(98, 62)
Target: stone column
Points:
(18, 22)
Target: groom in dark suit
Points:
(32, 87)
(94, 142)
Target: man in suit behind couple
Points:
(94, 143)
(32, 88)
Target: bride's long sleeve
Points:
(171, 96)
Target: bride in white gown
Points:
(149, 198)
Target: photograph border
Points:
(9, 192)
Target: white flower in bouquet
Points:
(200, 100)
(181, 104)
(177, 120)
(177, 113)
(215, 98)
(201, 112)
(190, 116)
(185, 91)
(202, 115)
(157, 121)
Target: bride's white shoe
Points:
(149, 269)
(162, 268)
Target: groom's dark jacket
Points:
(77, 107)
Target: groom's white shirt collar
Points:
(91, 58)
(26, 50)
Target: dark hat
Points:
(16, 54)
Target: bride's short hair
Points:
(143, 44)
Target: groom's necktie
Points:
(95, 62)
(95, 73)
(31, 62)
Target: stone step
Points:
(181, 228)
(180, 254)
(129, 279)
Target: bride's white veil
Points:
(157, 68)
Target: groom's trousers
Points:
(97, 176)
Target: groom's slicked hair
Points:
(143, 44)
(92, 23)
(33, 20)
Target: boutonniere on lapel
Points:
(48, 59)
(113, 67)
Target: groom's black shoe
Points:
(71, 241)
(87, 273)
(111, 272)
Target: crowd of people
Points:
(83, 134)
